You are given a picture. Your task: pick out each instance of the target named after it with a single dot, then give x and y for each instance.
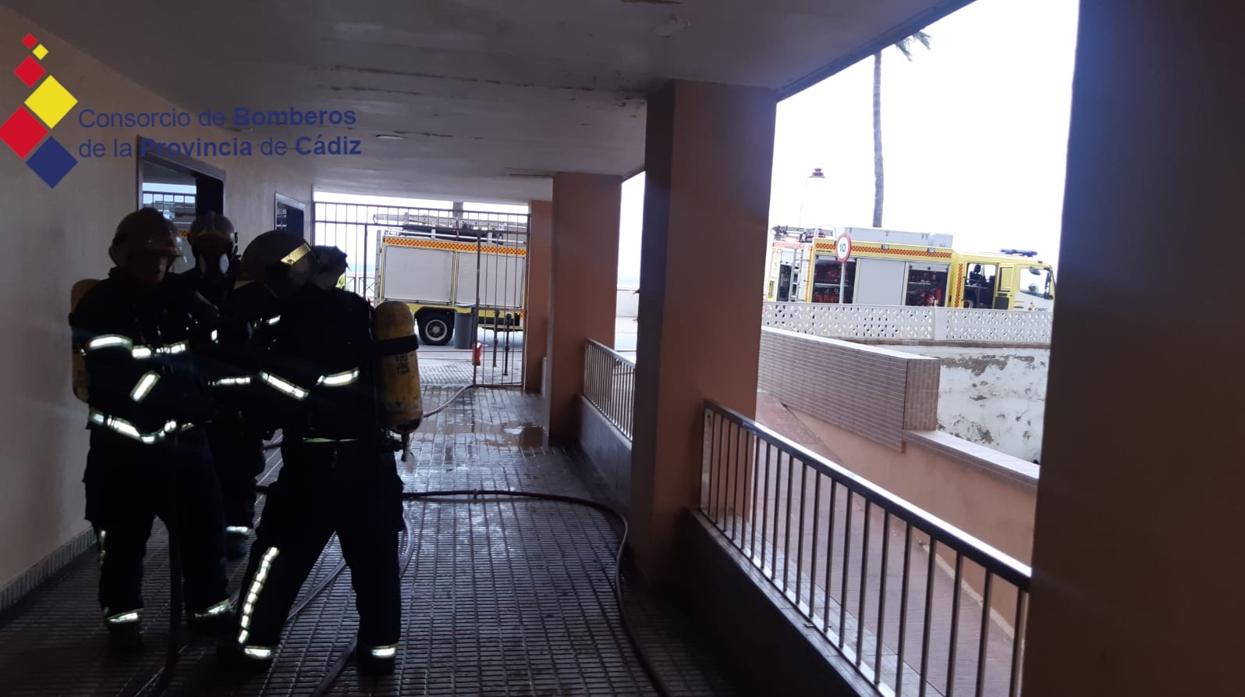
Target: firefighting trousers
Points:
(238, 454)
(128, 484)
(348, 488)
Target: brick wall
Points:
(873, 392)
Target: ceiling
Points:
(487, 95)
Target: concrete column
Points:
(536, 324)
(582, 289)
(708, 156)
(1139, 549)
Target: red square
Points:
(22, 132)
(29, 71)
(30, 41)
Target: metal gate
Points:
(489, 279)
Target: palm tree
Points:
(879, 177)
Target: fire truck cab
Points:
(1011, 280)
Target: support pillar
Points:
(583, 287)
(708, 156)
(536, 323)
(1138, 549)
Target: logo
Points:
(28, 131)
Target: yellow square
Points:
(40, 51)
(51, 102)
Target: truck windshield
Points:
(1037, 281)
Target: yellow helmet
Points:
(281, 260)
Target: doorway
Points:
(290, 215)
(181, 188)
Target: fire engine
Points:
(441, 271)
(890, 267)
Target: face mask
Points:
(218, 266)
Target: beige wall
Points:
(1140, 543)
(873, 410)
(708, 154)
(54, 237)
(536, 324)
(991, 504)
(584, 272)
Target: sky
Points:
(974, 132)
(975, 137)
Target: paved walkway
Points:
(505, 597)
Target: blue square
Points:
(51, 162)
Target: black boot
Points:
(236, 543)
(125, 638)
(217, 621)
(234, 658)
(378, 660)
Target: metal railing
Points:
(356, 229)
(916, 605)
(609, 384)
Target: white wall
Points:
(53, 237)
(627, 304)
(992, 396)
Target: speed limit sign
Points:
(843, 248)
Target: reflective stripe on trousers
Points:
(127, 617)
(218, 609)
(252, 597)
(388, 651)
(99, 541)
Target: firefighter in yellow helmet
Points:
(331, 267)
(148, 403)
(317, 378)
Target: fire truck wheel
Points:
(435, 329)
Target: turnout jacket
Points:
(140, 345)
(317, 368)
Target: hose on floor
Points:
(159, 681)
(476, 495)
(340, 664)
(163, 676)
(174, 647)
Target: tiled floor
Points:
(501, 597)
(500, 361)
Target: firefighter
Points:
(331, 265)
(318, 376)
(148, 453)
(237, 446)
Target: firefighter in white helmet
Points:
(148, 402)
(317, 381)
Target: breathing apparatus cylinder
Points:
(403, 406)
(80, 381)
